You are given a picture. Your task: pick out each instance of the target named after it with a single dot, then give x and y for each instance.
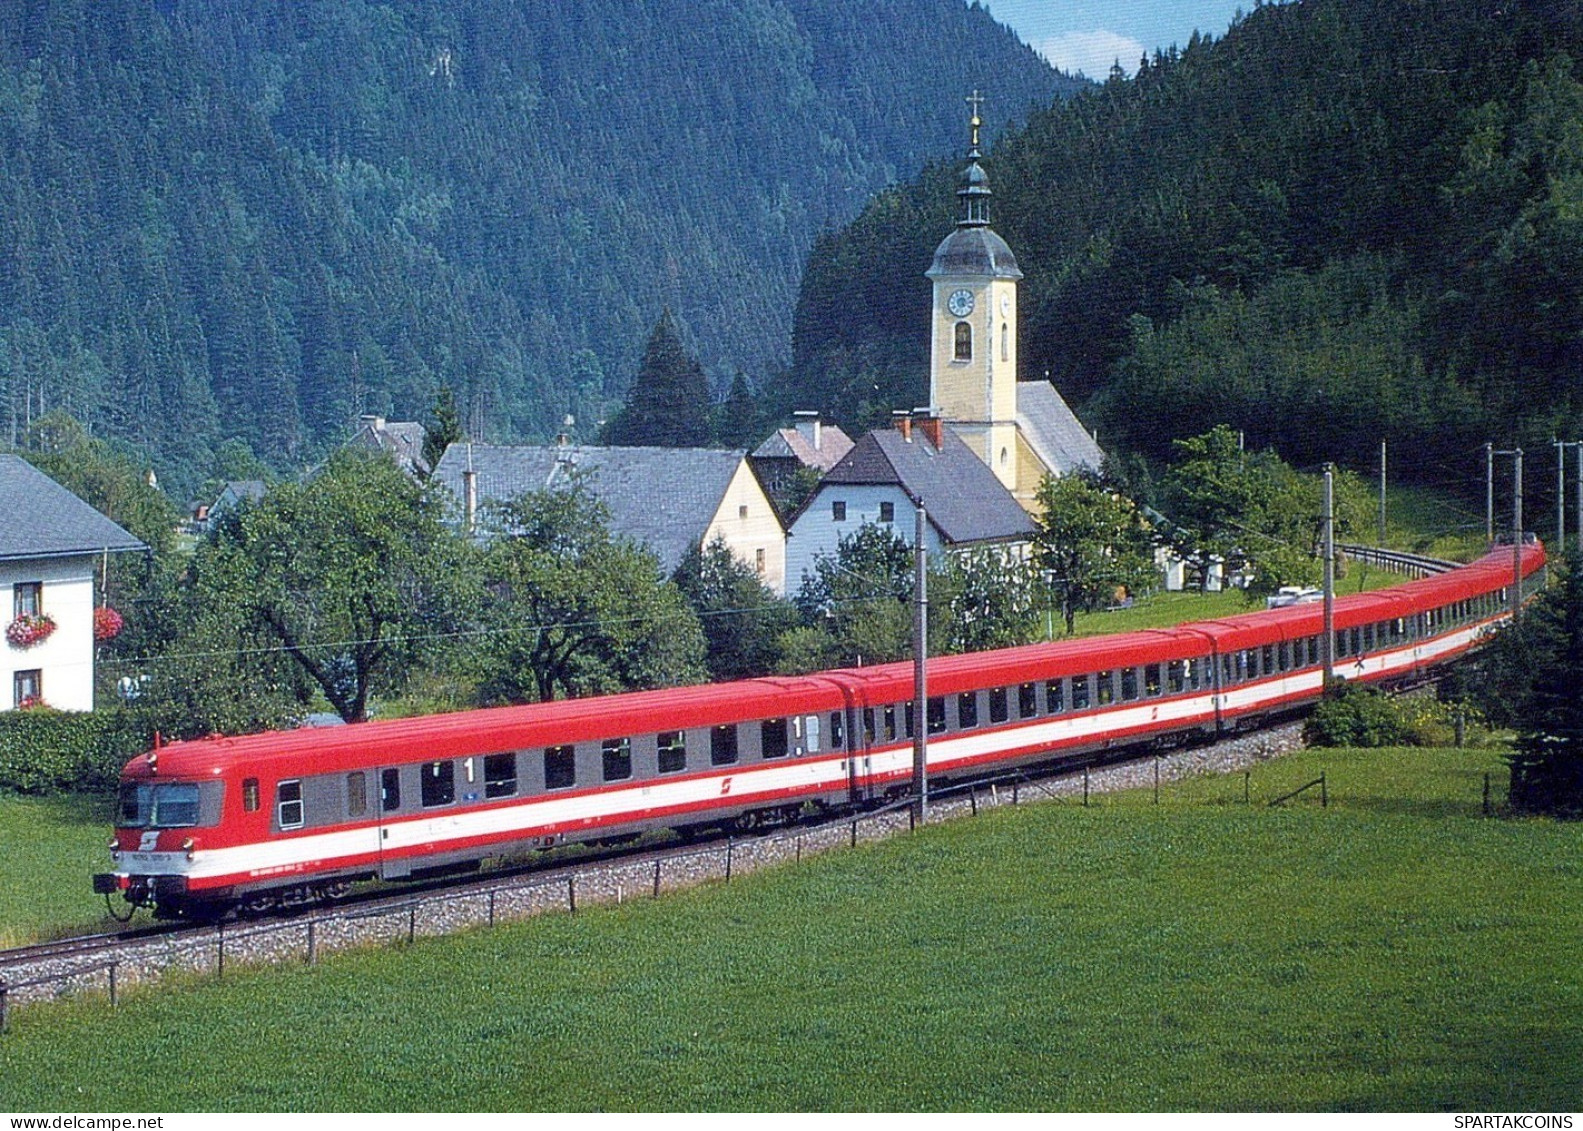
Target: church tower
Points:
(973, 326)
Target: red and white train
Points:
(206, 825)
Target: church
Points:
(1023, 430)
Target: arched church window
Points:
(964, 342)
(1003, 346)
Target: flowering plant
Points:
(29, 629)
(33, 703)
(107, 623)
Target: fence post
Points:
(1324, 793)
(656, 879)
(412, 923)
(113, 965)
(219, 958)
(972, 800)
(854, 833)
(1085, 787)
(5, 1012)
(1247, 787)
(729, 844)
(313, 948)
(1486, 794)
(571, 893)
(1156, 779)
(492, 906)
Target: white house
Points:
(51, 545)
(884, 478)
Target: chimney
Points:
(809, 426)
(931, 426)
(470, 493)
(903, 423)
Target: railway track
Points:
(110, 963)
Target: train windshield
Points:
(169, 805)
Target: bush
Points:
(44, 751)
(1354, 714)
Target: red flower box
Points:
(30, 629)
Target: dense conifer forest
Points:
(253, 220)
(1345, 221)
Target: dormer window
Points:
(964, 342)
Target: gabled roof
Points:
(661, 498)
(44, 520)
(402, 439)
(965, 501)
(791, 443)
(1053, 431)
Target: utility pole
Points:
(1382, 494)
(1517, 541)
(1327, 645)
(1561, 492)
(920, 678)
(1489, 493)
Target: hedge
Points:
(44, 751)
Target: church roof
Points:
(1053, 431)
(966, 503)
(44, 520)
(974, 251)
(662, 498)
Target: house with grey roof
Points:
(884, 479)
(402, 440)
(50, 545)
(669, 500)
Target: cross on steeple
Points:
(975, 100)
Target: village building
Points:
(1021, 430)
(51, 546)
(668, 500)
(883, 480)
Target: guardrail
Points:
(1398, 561)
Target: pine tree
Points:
(668, 405)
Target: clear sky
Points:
(1090, 35)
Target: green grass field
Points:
(1395, 951)
(49, 847)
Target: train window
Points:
(723, 745)
(1054, 698)
(1357, 642)
(1080, 695)
(617, 753)
(356, 793)
(1283, 656)
(1129, 684)
(772, 737)
(1176, 676)
(1027, 700)
(390, 790)
(672, 751)
(1267, 667)
(908, 726)
(500, 775)
(1226, 667)
(936, 714)
(837, 730)
(1105, 688)
(869, 733)
(1194, 670)
(810, 733)
(560, 767)
(967, 710)
(1151, 679)
(890, 722)
(288, 804)
(250, 795)
(1368, 638)
(437, 784)
(999, 705)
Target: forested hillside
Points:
(251, 219)
(1342, 222)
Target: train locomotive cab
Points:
(160, 828)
